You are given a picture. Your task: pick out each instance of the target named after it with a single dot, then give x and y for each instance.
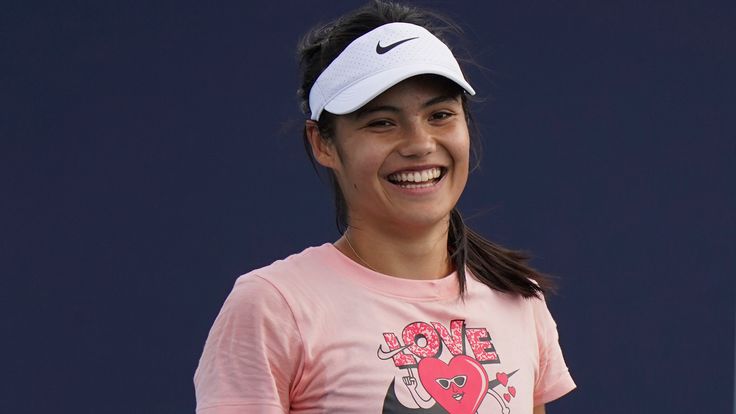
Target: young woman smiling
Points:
(401, 162)
(409, 311)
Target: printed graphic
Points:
(447, 370)
(459, 386)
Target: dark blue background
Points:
(151, 152)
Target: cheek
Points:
(360, 166)
(459, 148)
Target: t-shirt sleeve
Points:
(252, 355)
(553, 379)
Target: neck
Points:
(418, 255)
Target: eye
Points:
(441, 115)
(379, 123)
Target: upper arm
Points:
(553, 380)
(539, 409)
(252, 354)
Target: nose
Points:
(417, 141)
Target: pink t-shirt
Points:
(318, 333)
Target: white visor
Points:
(378, 60)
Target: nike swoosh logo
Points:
(383, 49)
(383, 355)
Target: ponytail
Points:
(498, 268)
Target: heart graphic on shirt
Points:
(512, 391)
(459, 387)
(506, 397)
(503, 378)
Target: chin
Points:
(412, 220)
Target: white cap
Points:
(378, 60)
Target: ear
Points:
(323, 149)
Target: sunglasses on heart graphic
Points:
(458, 380)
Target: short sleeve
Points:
(252, 355)
(553, 379)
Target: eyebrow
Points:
(389, 108)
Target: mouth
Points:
(458, 396)
(417, 178)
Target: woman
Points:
(409, 311)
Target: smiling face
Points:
(402, 159)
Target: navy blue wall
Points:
(151, 153)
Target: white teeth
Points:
(416, 176)
(422, 185)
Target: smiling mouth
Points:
(418, 179)
(458, 396)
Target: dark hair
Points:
(499, 268)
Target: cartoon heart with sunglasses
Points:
(459, 387)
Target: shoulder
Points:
(531, 312)
(544, 321)
(293, 267)
(284, 283)
(281, 274)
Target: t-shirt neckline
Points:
(422, 289)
